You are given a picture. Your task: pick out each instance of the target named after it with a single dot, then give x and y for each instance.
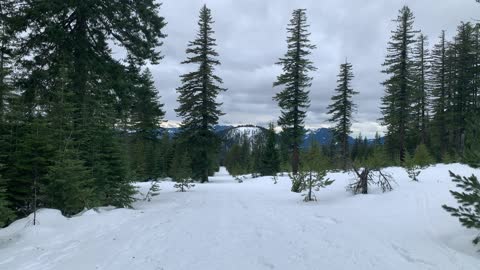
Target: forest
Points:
(80, 126)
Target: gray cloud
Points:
(251, 37)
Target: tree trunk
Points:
(295, 159)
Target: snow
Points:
(249, 132)
(255, 225)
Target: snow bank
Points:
(255, 225)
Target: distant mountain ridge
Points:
(232, 134)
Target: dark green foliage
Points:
(439, 92)
(341, 111)
(468, 211)
(30, 166)
(293, 99)
(422, 156)
(399, 87)
(472, 142)
(61, 132)
(197, 98)
(463, 94)
(413, 169)
(144, 125)
(6, 213)
(182, 172)
(421, 90)
(235, 161)
(69, 185)
(270, 164)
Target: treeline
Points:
(431, 100)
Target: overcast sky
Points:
(251, 37)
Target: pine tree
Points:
(68, 184)
(413, 169)
(422, 156)
(421, 89)
(468, 212)
(398, 87)
(313, 172)
(293, 99)
(439, 94)
(270, 160)
(182, 174)
(78, 56)
(472, 142)
(6, 213)
(145, 118)
(341, 111)
(32, 159)
(462, 98)
(197, 98)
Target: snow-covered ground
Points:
(255, 225)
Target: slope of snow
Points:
(255, 225)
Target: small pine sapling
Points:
(412, 168)
(312, 175)
(468, 211)
(153, 191)
(183, 174)
(313, 182)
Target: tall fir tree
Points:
(293, 99)
(197, 97)
(439, 94)
(421, 90)
(145, 117)
(341, 111)
(398, 87)
(463, 90)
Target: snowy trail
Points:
(254, 225)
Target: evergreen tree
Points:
(32, 159)
(472, 142)
(270, 160)
(182, 174)
(197, 98)
(439, 92)
(6, 213)
(421, 90)
(293, 99)
(313, 172)
(341, 111)
(145, 119)
(398, 87)
(68, 184)
(422, 156)
(413, 169)
(77, 56)
(462, 97)
(468, 212)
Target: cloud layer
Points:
(251, 37)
